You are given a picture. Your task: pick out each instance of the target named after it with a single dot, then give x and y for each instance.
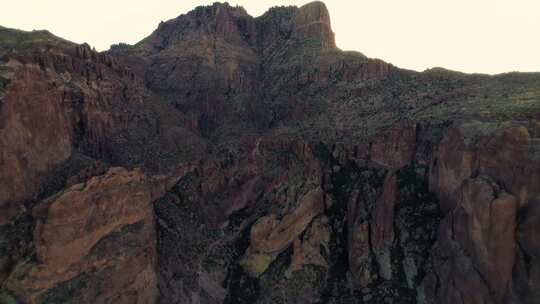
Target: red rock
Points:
(266, 123)
(307, 249)
(270, 236)
(73, 224)
(528, 287)
(382, 226)
(395, 148)
(451, 166)
(375, 68)
(313, 21)
(480, 242)
(504, 151)
(359, 254)
(35, 135)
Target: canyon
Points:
(232, 159)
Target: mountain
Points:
(232, 159)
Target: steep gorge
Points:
(233, 159)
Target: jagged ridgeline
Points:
(232, 159)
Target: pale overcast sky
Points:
(488, 36)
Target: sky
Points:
(484, 36)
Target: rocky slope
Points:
(233, 159)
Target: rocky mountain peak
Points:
(220, 21)
(313, 21)
(233, 25)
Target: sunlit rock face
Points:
(313, 21)
(94, 240)
(228, 158)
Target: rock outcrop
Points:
(35, 134)
(478, 175)
(313, 21)
(270, 236)
(94, 242)
(57, 100)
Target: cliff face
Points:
(232, 159)
(102, 229)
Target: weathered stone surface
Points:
(307, 249)
(477, 240)
(395, 148)
(58, 101)
(303, 170)
(512, 158)
(527, 281)
(452, 165)
(382, 226)
(358, 239)
(35, 135)
(478, 244)
(359, 254)
(490, 149)
(269, 235)
(313, 21)
(101, 233)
